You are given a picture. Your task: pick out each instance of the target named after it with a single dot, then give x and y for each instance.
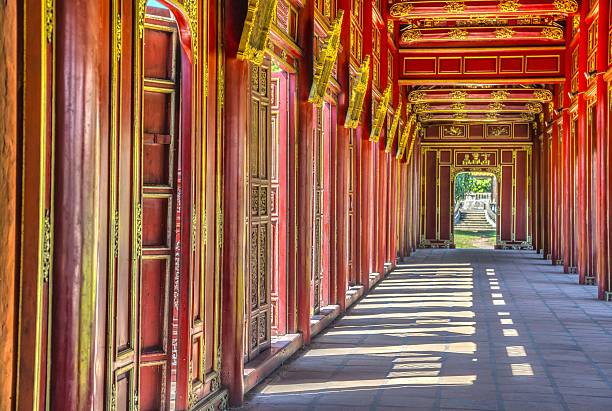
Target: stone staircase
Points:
(473, 220)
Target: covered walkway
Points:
(458, 329)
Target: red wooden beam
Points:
(459, 8)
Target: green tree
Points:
(464, 183)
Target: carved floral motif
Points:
(543, 95)
(453, 7)
(458, 34)
(411, 35)
(500, 95)
(552, 33)
(416, 96)
(504, 33)
(566, 6)
(509, 5)
(401, 10)
(458, 94)
(534, 107)
(497, 106)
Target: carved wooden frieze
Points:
(256, 30)
(325, 63)
(393, 128)
(380, 115)
(358, 91)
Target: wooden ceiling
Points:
(481, 60)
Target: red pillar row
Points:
(578, 174)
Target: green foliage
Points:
(466, 183)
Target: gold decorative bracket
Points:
(325, 63)
(358, 91)
(381, 114)
(411, 149)
(403, 141)
(256, 30)
(393, 129)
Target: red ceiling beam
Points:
(458, 8)
(521, 65)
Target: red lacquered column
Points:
(304, 149)
(236, 129)
(581, 224)
(82, 136)
(603, 146)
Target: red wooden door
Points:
(321, 239)
(352, 272)
(162, 204)
(280, 129)
(258, 307)
(152, 201)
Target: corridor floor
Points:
(458, 329)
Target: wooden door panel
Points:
(154, 304)
(156, 217)
(152, 387)
(258, 324)
(159, 55)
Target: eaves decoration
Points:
(256, 30)
(393, 128)
(358, 92)
(411, 149)
(325, 63)
(380, 115)
(403, 141)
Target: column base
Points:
(608, 296)
(589, 280)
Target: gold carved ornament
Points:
(425, 116)
(411, 35)
(500, 95)
(491, 116)
(380, 115)
(499, 131)
(454, 7)
(527, 116)
(411, 149)
(552, 33)
(497, 106)
(458, 95)
(325, 63)
(401, 10)
(393, 128)
(458, 106)
(403, 141)
(460, 116)
(504, 33)
(458, 34)
(543, 95)
(534, 107)
(509, 6)
(566, 6)
(453, 131)
(422, 107)
(256, 30)
(358, 91)
(417, 96)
